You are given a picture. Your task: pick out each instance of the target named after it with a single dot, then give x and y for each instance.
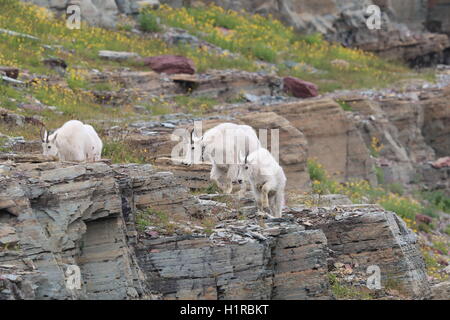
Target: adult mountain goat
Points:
(74, 141)
(221, 146)
(267, 180)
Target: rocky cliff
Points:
(54, 216)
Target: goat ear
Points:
(191, 135)
(54, 138)
(195, 138)
(241, 158)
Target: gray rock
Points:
(117, 55)
(441, 291)
(367, 235)
(56, 215)
(17, 34)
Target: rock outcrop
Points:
(331, 136)
(412, 127)
(289, 265)
(63, 216)
(402, 34)
(437, 16)
(219, 84)
(59, 217)
(364, 235)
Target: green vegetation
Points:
(390, 197)
(196, 105)
(159, 108)
(435, 261)
(152, 217)
(396, 188)
(80, 46)
(208, 224)
(441, 246)
(267, 39)
(344, 105)
(149, 22)
(212, 188)
(375, 147)
(121, 152)
(404, 207)
(380, 175)
(447, 230)
(253, 37)
(27, 131)
(79, 49)
(438, 200)
(346, 292)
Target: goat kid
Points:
(266, 178)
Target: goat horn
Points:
(42, 133)
(192, 135)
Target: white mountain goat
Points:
(267, 180)
(98, 144)
(221, 146)
(74, 141)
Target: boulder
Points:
(339, 63)
(32, 107)
(10, 72)
(8, 235)
(117, 55)
(299, 88)
(420, 218)
(55, 63)
(11, 118)
(170, 64)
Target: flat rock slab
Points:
(117, 55)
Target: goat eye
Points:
(192, 148)
(49, 147)
(246, 167)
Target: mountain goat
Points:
(267, 180)
(74, 141)
(221, 146)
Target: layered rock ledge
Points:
(54, 216)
